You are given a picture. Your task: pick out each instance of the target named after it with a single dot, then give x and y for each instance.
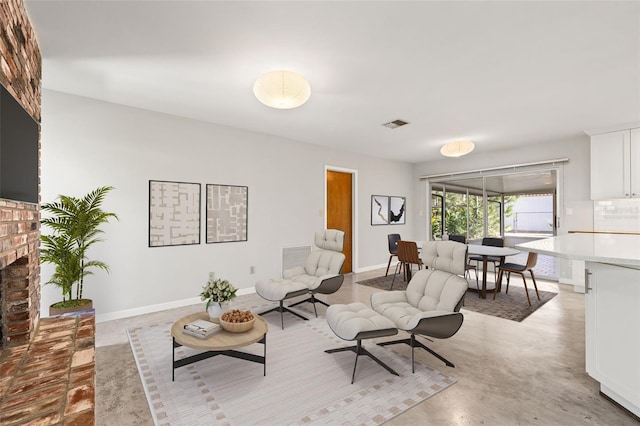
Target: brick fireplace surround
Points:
(47, 366)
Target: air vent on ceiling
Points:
(395, 124)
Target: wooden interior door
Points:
(340, 210)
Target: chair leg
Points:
(281, 308)
(526, 290)
(408, 272)
(413, 357)
(475, 271)
(311, 299)
(534, 283)
(495, 289)
(355, 363)
(388, 266)
(467, 275)
(395, 272)
(359, 350)
(413, 342)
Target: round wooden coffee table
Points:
(221, 343)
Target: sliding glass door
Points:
(456, 211)
(518, 204)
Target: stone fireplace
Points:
(20, 74)
(19, 272)
(47, 366)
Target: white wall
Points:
(576, 207)
(88, 143)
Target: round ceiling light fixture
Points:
(457, 148)
(282, 89)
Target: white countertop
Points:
(491, 250)
(604, 248)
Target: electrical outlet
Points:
(252, 270)
(212, 276)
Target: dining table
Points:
(486, 252)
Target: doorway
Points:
(339, 208)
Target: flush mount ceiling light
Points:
(457, 148)
(282, 89)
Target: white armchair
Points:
(321, 274)
(430, 305)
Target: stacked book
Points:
(201, 328)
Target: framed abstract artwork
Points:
(397, 210)
(227, 208)
(379, 210)
(174, 213)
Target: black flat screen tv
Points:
(18, 151)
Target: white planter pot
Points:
(216, 310)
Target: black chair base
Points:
(413, 343)
(359, 350)
(281, 308)
(313, 300)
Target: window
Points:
(494, 216)
(460, 213)
(437, 217)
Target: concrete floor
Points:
(509, 373)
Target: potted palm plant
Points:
(74, 224)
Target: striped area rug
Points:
(303, 386)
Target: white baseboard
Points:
(126, 313)
(373, 267)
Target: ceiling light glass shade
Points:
(282, 89)
(457, 148)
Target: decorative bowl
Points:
(236, 327)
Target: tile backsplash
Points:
(616, 215)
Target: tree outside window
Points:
(464, 214)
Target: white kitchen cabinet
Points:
(615, 165)
(612, 307)
(612, 322)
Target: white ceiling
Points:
(500, 73)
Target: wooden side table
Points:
(221, 343)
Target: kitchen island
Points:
(612, 308)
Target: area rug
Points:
(303, 385)
(384, 283)
(512, 306)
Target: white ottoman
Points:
(356, 321)
(277, 290)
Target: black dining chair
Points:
(469, 267)
(496, 260)
(393, 249)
